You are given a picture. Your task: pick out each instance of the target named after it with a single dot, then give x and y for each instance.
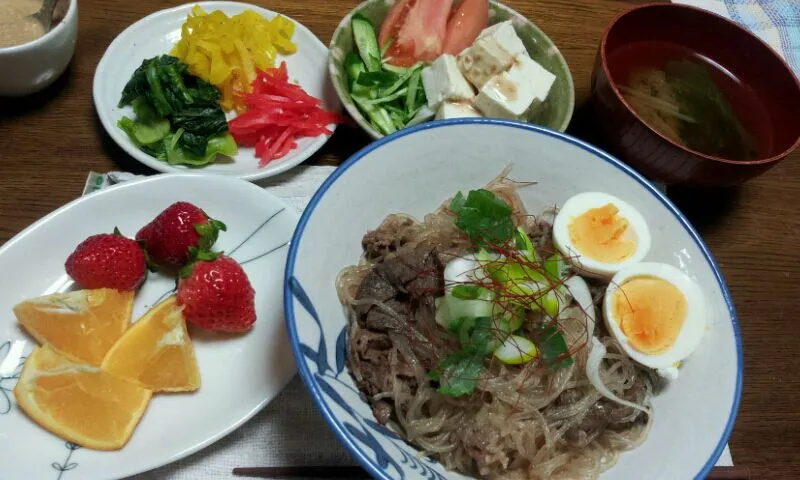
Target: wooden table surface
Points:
(50, 141)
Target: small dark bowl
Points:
(722, 41)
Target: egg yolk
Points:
(600, 234)
(650, 312)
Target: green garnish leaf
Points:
(466, 292)
(552, 347)
(484, 217)
(459, 374)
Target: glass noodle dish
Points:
(473, 332)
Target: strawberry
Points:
(180, 226)
(108, 260)
(215, 293)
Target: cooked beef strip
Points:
(390, 236)
(378, 319)
(405, 283)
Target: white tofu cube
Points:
(456, 110)
(511, 94)
(492, 53)
(443, 81)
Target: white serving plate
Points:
(156, 34)
(240, 374)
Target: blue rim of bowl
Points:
(288, 301)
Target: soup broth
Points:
(17, 26)
(692, 100)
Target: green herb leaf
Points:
(460, 374)
(485, 218)
(466, 292)
(552, 347)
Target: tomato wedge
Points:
(469, 17)
(417, 29)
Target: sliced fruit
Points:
(168, 237)
(108, 260)
(216, 294)
(79, 403)
(82, 325)
(156, 352)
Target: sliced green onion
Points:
(556, 268)
(464, 330)
(510, 272)
(467, 292)
(442, 317)
(523, 242)
(516, 350)
(478, 307)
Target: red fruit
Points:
(216, 294)
(108, 261)
(180, 226)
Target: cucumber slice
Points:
(423, 114)
(516, 350)
(366, 42)
(353, 66)
(378, 117)
(411, 95)
(388, 98)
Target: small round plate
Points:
(240, 374)
(156, 34)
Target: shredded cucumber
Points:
(366, 42)
(390, 97)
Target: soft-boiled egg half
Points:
(600, 234)
(656, 313)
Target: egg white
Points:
(580, 204)
(694, 325)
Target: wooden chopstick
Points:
(358, 473)
(729, 473)
(354, 473)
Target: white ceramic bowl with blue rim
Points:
(416, 169)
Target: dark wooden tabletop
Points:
(48, 143)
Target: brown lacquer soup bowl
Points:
(758, 88)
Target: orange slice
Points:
(156, 352)
(82, 325)
(80, 403)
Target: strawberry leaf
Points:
(208, 232)
(197, 255)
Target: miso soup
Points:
(692, 100)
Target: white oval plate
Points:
(156, 34)
(240, 374)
